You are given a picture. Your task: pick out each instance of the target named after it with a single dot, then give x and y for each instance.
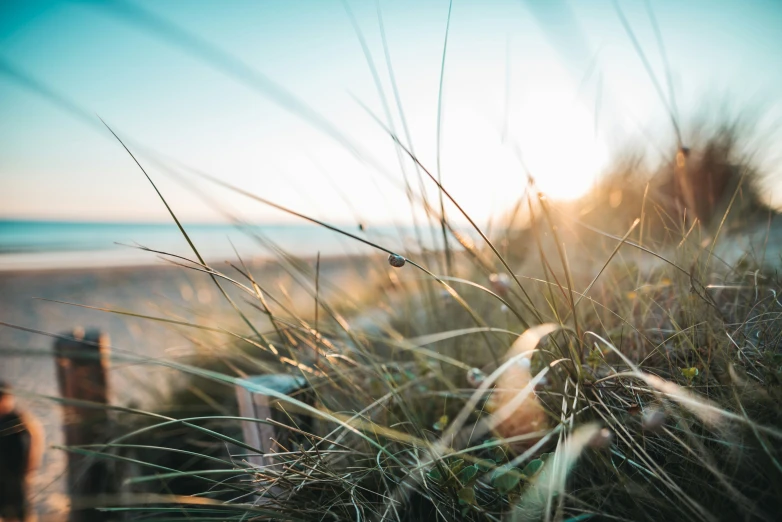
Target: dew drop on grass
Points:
(396, 261)
(475, 377)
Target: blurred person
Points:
(21, 449)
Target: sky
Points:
(280, 99)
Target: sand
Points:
(26, 362)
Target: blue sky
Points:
(231, 88)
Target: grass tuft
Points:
(646, 388)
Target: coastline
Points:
(115, 260)
(51, 245)
(154, 288)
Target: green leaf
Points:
(435, 475)
(466, 496)
(533, 468)
(468, 475)
(486, 465)
(505, 479)
(456, 466)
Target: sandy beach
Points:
(156, 290)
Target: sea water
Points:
(28, 244)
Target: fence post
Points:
(268, 438)
(82, 364)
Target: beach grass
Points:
(616, 357)
(601, 359)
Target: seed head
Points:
(602, 439)
(653, 420)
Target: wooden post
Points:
(268, 438)
(82, 364)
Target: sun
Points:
(560, 147)
(555, 141)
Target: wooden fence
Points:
(82, 361)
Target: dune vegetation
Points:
(615, 357)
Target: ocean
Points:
(29, 244)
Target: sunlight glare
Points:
(559, 146)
